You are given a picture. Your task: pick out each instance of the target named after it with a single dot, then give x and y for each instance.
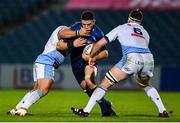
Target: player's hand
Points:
(91, 61)
(84, 32)
(85, 56)
(79, 42)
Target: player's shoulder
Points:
(58, 29)
(61, 27)
(97, 32)
(120, 27)
(77, 23)
(97, 28)
(125, 25)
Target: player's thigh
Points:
(118, 73)
(113, 76)
(146, 72)
(148, 67)
(79, 73)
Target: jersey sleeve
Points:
(100, 35)
(113, 34)
(76, 26)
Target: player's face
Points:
(88, 24)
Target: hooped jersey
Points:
(132, 37)
(50, 55)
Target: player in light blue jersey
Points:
(137, 60)
(52, 57)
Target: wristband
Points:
(70, 45)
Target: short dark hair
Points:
(136, 15)
(87, 15)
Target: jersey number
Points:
(137, 31)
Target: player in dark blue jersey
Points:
(83, 73)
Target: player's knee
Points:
(83, 85)
(88, 67)
(143, 81)
(111, 78)
(91, 84)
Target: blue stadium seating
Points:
(24, 43)
(17, 10)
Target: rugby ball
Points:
(88, 49)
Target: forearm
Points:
(103, 54)
(61, 45)
(98, 46)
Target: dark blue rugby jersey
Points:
(76, 53)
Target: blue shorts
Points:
(79, 72)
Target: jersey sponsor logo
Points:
(137, 33)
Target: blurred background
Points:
(25, 26)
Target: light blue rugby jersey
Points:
(132, 37)
(50, 55)
(53, 58)
(129, 49)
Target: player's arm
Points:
(97, 46)
(68, 33)
(74, 31)
(101, 55)
(62, 45)
(111, 36)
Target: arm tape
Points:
(77, 33)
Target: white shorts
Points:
(41, 71)
(137, 63)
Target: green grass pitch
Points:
(55, 107)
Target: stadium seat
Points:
(33, 34)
